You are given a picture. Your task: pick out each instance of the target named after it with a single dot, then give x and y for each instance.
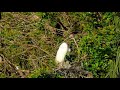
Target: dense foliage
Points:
(30, 41)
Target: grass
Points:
(30, 41)
(115, 67)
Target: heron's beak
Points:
(69, 49)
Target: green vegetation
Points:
(30, 41)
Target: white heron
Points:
(61, 53)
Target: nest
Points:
(74, 71)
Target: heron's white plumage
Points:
(61, 52)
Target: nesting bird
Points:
(67, 69)
(61, 53)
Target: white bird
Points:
(61, 53)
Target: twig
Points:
(72, 37)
